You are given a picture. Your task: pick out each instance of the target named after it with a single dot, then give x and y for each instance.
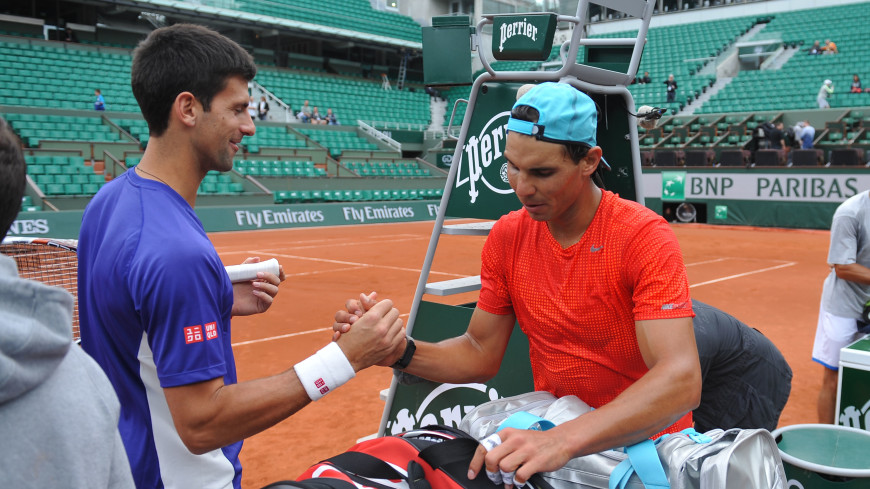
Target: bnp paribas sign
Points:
(526, 37)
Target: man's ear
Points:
(591, 160)
(186, 108)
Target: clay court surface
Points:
(770, 279)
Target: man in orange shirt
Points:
(596, 282)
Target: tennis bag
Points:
(434, 457)
(732, 459)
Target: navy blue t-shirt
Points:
(154, 305)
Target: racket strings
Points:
(51, 265)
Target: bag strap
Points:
(447, 452)
(364, 465)
(525, 421)
(461, 450)
(643, 459)
(314, 483)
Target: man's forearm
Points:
(654, 402)
(853, 272)
(211, 415)
(458, 360)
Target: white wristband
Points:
(324, 371)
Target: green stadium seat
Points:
(54, 189)
(72, 189)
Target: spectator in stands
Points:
(776, 137)
(330, 118)
(69, 35)
(830, 47)
(252, 107)
(815, 48)
(304, 114)
(826, 90)
(263, 108)
(58, 411)
(316, 118)
(645, 78)
(856, 84)
(808, 134)
(671, 88)
(100, 102)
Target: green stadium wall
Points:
(65, 224)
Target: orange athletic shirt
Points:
(578, 305)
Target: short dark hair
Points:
(575, 151)
(184, 58)
(12, 177)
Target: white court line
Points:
(717, 260)
(724, 258)
(784, 265)
(348, 243)
(366, 265)
(331, 241)
(290, 335)
(317, 272)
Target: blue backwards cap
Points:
(565, 115)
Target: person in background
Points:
(304, 114)
(330, 118)
(69, 35)
(825, 92)
(845, 295)
(263, 108)
(645, 78)
(856, 84)
(671, 88)
(745, 379)
(830, 47)
(807, 135)
(58, 412)
(99, 102)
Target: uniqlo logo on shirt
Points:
(193, 334)
(211, 331)
(320, 384)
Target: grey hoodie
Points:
(58, 411)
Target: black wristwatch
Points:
(405, 360)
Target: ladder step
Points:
(468, 229)
(456, 286)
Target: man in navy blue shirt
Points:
(155, 298)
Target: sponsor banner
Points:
(481, 188)
(65, 224)
(229, 218)
(523, 37)
(784, 186)
(42, 224)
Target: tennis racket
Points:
(50, 261)
(55, 262)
